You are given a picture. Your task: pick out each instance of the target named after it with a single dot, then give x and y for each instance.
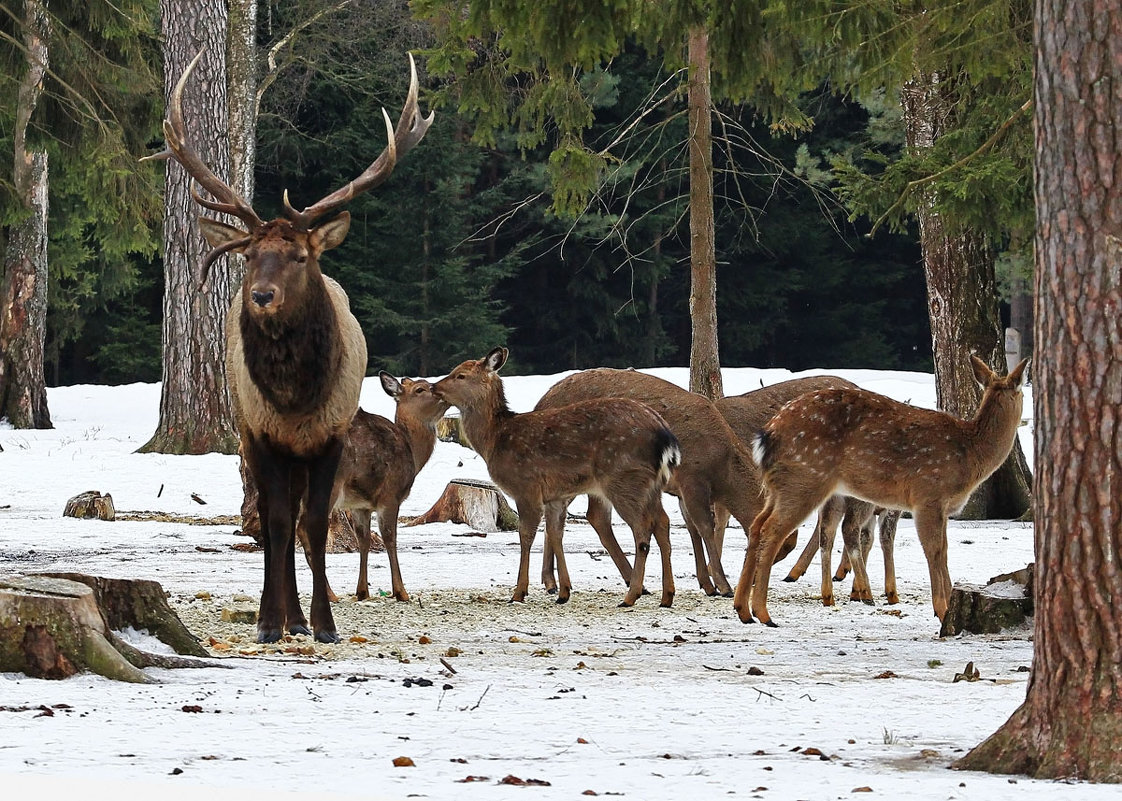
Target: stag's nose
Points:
(262, 299)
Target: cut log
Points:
(1004, 602)
(479, 504)
(90, 504)
(139, 603)
(52, 628)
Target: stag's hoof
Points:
(331, 636)
(269, 635)
(299, 628)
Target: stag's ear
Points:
(218, 234)
(495, 359)
(332, 233)
(390, 384)
(982, 372)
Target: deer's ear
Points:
(218, 234)
(495, 359)
(390, 384)
(982, 372)
(1019, 373)
(332, 233)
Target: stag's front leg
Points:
(271, 474)
(321, 479)
(294, 620)
(529, 516)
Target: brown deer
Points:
(295, 358)
(614, 449)
(880, 450)
(381, 458)
(746, 415)
(717, 472)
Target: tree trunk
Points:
(23, 284)
(241, 82)
(195, 406)
(705, 363)
(962, 306)
(1071, 721)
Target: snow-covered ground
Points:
(644, 703)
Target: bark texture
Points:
(1071, 721)
(23, 283)
(705, 363)
(196, 413)
(962, 306)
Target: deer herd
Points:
(296, 358)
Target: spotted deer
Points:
(613, 449)
(295, 357)
(885, 452)
(380, 460)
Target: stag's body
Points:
(295, 359)
(381, 458)
(716, 469)
(885, 452)
(615, 450)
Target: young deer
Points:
(380, 460)
(615, 449)
(889, 453)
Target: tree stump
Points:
(91, 504)
(1004, 602)
(477, 503)
(52, 628)
(451, 429)
(139, 603)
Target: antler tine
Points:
(228, 201)
(411, 129)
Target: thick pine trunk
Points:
(962, 305)
(1070, 724)
(705, 363)
(195, 407)
(23, 283)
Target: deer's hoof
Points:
(299, 628)
(791, 578)
(827, 600)
(327, 635)
(268, 634)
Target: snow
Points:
(643, 703)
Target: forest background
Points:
(465, 247)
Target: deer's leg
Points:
(554, 536)
(931, 526)
(888, 520)
(549, 580)
(786, 515)
(529, 516)
(741, 600)
(701, 568)
(321, 480)
(600, 518)
(272, 474)
(641, 522)
(361, 519)
(662, 537)
(721, 516)
(387, 525)
(698, 504)
(853, 536)
(828, 518)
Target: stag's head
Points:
(473, 383)
(282, 256)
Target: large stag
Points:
(295, 357)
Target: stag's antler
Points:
(411, 129)
(226, 200)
